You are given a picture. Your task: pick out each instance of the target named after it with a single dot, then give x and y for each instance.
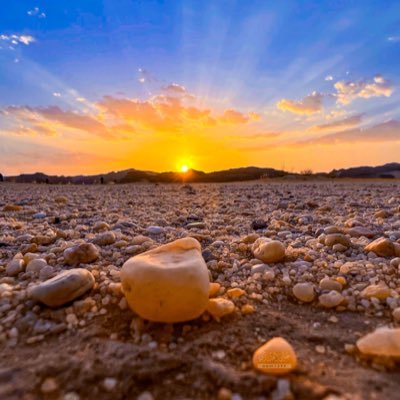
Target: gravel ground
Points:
(331, 288)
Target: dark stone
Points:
(259, 224)
(208, 255)
(57, 220)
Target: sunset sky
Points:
(92, 86)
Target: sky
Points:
(93, 86)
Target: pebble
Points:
(304, 292)
(383, 247)
(105, 238)
(169, 283)
(155, 230)
(337, 238)
(380, 291)
(268, 251)
(275, 357)
(63, 288)
(49, 385)
(14, 267)
(84, 253)
(213, 289)
(235, 292)
(110, 384)
(331, 299)
(36, 265)
(330, 284)
(381, 342)
(220, 307)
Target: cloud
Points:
(341, 124)
(171, 111)
(385, 132)
(30, 119)
(17, 39)
(393, 39)
(309, 105)
(349, 91)
(35, 12)
(329, 78)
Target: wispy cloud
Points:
(385, 132)
(393, 39)
(309, 105)
(17, 39)
(348, 91)
(341, 124)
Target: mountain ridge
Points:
(389, 170)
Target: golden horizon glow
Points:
(184, 168)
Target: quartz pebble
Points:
(268, 251)
(169, 283)
(276, 357)
(63, 288)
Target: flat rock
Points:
(63, 288)
(169, 283)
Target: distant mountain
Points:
(391, 170)
(131, 175)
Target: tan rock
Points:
(304, 292)
(220, 307)
(268, 251)
(380, 291)
(382, 247)
(63, 288)
(331, 299)
(382, 342)
(169, 283)
(337, 238)
(213, 289)
(15, 266)
(235, 292)
(84, 253)
(330, 284)
(276, 357)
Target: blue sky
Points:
(299, 73)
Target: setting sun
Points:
(184, 169)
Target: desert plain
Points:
(336, 284)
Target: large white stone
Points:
(169, 283)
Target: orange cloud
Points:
(309, 105)
(349, 91)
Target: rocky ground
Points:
(332, 279)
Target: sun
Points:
(184, 168)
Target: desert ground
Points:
(323, 296)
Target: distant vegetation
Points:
(389, 171)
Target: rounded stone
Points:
(14, 267)
(304, 292)
(63, 288)
(382, 247)
(81, 253)
(169, 283)
(382, 342)
(268, 251)
(337, 238)
(331, 299)
(36, 265)
(276, 357)
(380, 291)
